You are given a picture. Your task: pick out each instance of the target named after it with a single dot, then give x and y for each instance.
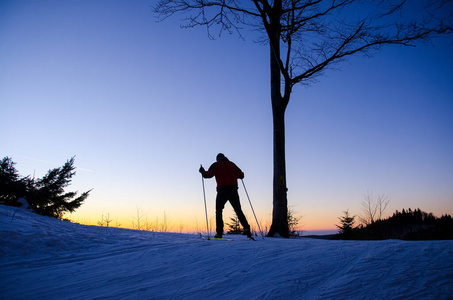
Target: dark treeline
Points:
(405, 225)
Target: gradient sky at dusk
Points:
(141, 104)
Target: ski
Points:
(217, 239)
(222, 239)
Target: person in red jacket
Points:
(226, 174)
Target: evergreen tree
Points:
(47, 195)
(346, 227)
(11, 185)
(235, 225)
(49, 198)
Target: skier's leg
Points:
(234, 200)
(221, 199)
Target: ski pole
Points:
(259, 228)
(205, 208)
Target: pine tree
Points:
(347, 223)
(49, 198)
(11, 185)
(235, 225)
(46, 195)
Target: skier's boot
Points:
(248, 233)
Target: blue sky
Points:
(141, 104)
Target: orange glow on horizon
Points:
(183, 224)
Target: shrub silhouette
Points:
(234, 225)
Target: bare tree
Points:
(382, 202)
(305, 38)
(197, 227)
(293, 222)
(373, 207)
(180, 227)
(105, 221)
(164, 225)
(139, 218)
(368, 210)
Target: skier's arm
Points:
(240, 174)
(207, 174)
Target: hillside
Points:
(44, 258)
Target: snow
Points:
(45, 258)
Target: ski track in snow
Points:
(44, 258)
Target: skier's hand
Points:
(201, 170)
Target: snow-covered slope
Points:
(44, 258)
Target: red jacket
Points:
(226, 173)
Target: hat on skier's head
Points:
(221, 157)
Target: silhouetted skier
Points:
(226, 174)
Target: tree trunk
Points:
(280, 202)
